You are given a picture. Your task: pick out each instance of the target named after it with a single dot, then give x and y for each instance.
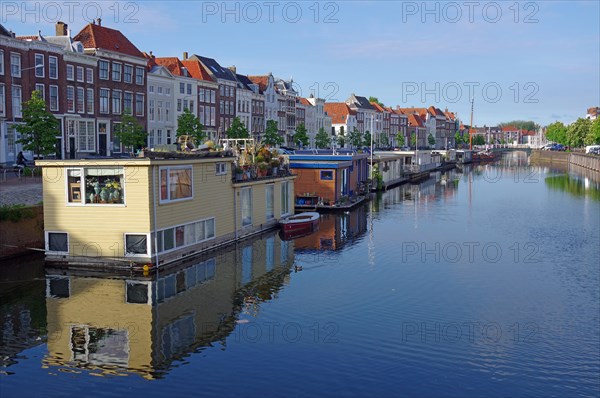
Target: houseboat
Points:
(156, 210)
(329, 179)
(388, 169)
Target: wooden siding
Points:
(309, 180)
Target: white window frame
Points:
(82, 171)
(148, 245)
(250, 197)
(100, 63)
(89, 75)
(174, 228)
(39, 65)
(107, 111)
(139, 72)
(79, 69)
(57, 98)
(71, 107)
(285, 186)
(118, 110)
(271, 188)
(130, 80)
(168, 169)
(2, 99)
(221, 168)
(80, 99)
(16, 71)
(70, 72)
(52, 60)
(1, 62)
(89, 100)
(139, 110)
(17, 107)
(41, 89)
(47, 242)
(117, 67)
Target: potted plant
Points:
(262, 169)
(239, 173)
(275, 165)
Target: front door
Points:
(102, 144)
(71, 147)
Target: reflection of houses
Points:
(330, 176)
(143, 324)
(153, 210)
(335, 231)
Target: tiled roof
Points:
(173, 64)
(304, 101)
(262, 81)
(422, 112)
(96, 36)
(338, 111)
(359, 102)
(215, 69)
(378, 107)
(450, 115)
(415, 120)
(196, 70)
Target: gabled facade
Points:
(207, 97)
(162, 122)
(343, 118)
(120, 81)
(310, 121)
(366, 115)
(256, 107)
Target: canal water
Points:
(483, 281)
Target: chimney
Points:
(99, 21)
(185, 55)
(233, 69)
(61, 28)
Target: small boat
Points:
(300, 224)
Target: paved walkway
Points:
(24, 190)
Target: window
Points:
(181, 88)
(2, 99)
(103, 65)
(285, 198)
(80, 99)
(104, 98)
(151, 109)
(57, 242)
(70, 72)
(139, 75)
(90, 100)
(167, 91)
(53, 98)
(116, 102)
(185, 105)
(179, 105)
(70, 99)
(269, 201)
(326, 174)
(95, 185)
(185, 235)
(221, 168)
(189, 89)
(116, 72)
(80, 73)
(128, 103)
(86, 141)
(39, 65)
(139, 104)
(40, 88)
(175, 183)
(201, 115)
(17, 100)
(246, 198)
(15, 65)
(128, 73)
(160, 89)
(151, 89)
(1, 62)
(159, 111)
(89, 75)
(53, 67)
(168, 106)
(201, 94)
(137, 244)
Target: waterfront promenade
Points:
(24, 190)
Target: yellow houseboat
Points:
(153, 210)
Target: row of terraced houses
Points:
(91, 79)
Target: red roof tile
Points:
(173, 64)
(96, 36)
(415, 120)
(338, 111)
(304, 101)
(262, 81)
(196, 70)
(378, 107)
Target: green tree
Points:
(322, 139)
(413, 140)
(431, 139)
(376, 100)
(400, 140)
(340, 139)
(271, 136)
(355, 138)
(367, 139)
(593, 136)
(189, 124)
(521, 124)
(237, 129)
(384, 141)
(130, 132)
(301, 138)
(577, 132)
(40, 128)
(458, 139)
(557, 132)
(478, 140)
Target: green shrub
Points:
(16, 213)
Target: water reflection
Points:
(117, 324)
(577, 186)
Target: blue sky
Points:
(538, 61)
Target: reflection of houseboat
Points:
(153, 210)
(335, 230)
(464, 156)
(329, 179)
(113, 324)
(299, 225)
